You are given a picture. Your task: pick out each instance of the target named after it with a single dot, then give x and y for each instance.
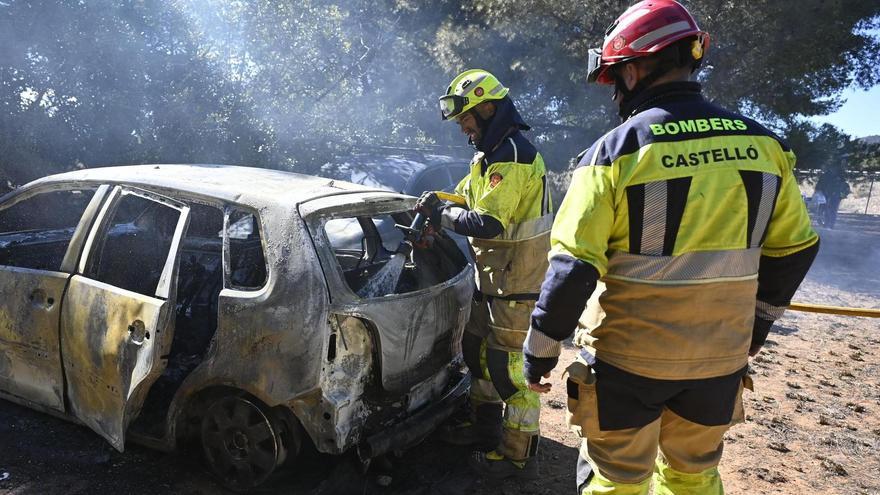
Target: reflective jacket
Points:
(686, 211)
(507, 182)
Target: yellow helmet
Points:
(469, 89)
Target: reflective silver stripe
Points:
(659, 33)
(496, 89)
(654, 218)
(515, 154)
(526, 229)
(473, 85)
(698, 265)
(768, 312)
(765, 208)
(539, 345)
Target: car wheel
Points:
(241, 441)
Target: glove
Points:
(759, 335)
(534, 368)
(430, 205)
(427, 203)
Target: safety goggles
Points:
(452, 105)
(594, 64)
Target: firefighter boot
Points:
(495, 466)
(482, 431)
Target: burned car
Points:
(228, 306)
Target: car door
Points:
(118, 313)
(41, 234)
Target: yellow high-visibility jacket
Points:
(692, 217)
(510, 186)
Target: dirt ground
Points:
(813, 422)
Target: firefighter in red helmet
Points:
(691, 216)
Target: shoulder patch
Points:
(495, 179)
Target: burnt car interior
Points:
(364, 245)
(137, 229)
(35, 232)
(199, 282)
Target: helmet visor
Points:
(594, 64)
(451, 105)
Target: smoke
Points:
(274, 84)
(318, 76)
(846, 271)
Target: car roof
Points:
(250, 186)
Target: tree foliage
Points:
(292, 84)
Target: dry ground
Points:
(813, 421)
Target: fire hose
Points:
(452, 198)
(834, 310)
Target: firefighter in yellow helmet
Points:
(507, 218)
(691, 216)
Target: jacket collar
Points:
(653, 96)
(505, 122)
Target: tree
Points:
(289, 85)
(775, 60)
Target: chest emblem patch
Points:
(495, 179)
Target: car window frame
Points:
(385, 203)
(228, 209)
(75, 246)
(163, 288)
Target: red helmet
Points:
(644, 29)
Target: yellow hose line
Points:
(455, 198)
(835, 310)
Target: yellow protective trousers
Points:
(497, 377)
(666, 481)
(626, 421)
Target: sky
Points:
(858, 116)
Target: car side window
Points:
(247, 262)
(35, 232)
(134, 245)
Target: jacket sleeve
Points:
(470, 223)
(789, 248)
(578, 258)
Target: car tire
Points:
(243, 441)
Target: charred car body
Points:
(170, 302)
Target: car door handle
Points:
(39, 299)
(138, 332)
